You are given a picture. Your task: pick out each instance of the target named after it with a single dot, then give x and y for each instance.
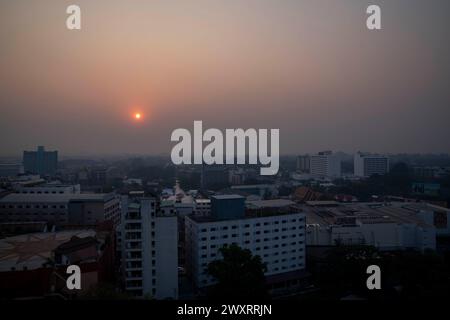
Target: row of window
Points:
(257, 249)
(28, 206)
(266, 255)
(44, 213)
(39, 192)
(30, 219)
(235, 235)
(258, 224)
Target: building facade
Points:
(60, 209)
(149, 245)
(40, 162)
(279, 240)
(325, 165)
(393, 226)
(366, 165)
(304, 164)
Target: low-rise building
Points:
(60, 209)
(386, 226)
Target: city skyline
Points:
(309, 68)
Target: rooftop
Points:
(227, 197)
(365, 213)
(34, 250)
(275, 203)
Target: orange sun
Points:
(137, 116)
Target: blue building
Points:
(40, 162)
(227, 207)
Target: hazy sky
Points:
(309, 68)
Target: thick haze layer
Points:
(310, 68)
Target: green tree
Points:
(239, 274)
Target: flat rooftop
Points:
(227, 197)
(259, 209)
(275, 203)
(365, 213)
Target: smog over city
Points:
(221, 158)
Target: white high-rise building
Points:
(149, 242)
(325, 164)
(273, 230)
(366, 165)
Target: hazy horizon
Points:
(309, 68)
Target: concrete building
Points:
(366, 165)
(386, 226)
(272, 229)
(10, 169)
(60, 209)
(40, 162)
(325, 164)
(304, 164)
(227, 207)
(48, 188)
(149, 249)
(202, 207)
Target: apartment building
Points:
(149, 245)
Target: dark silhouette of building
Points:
(40, 162)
